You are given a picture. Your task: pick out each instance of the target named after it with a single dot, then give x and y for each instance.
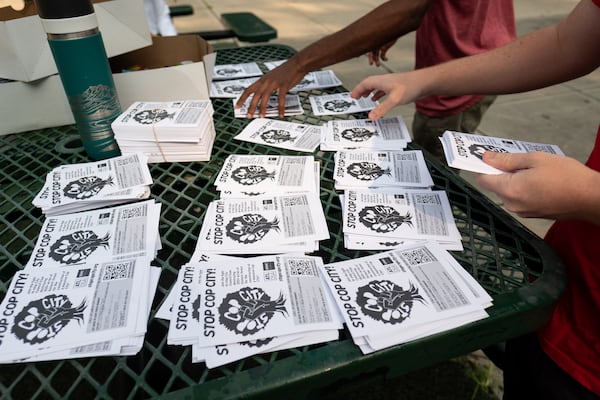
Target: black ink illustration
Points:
(196, 309)
(251, 174)
(386, 301)
(249, 310)
(77, 246)
(43, 319)
(257, 342)
(383, 219)
(275, 136)
(234, 89)
(250, 228)
(478, 149)
(338, 105)
(305, 82)
(367, 171)
(86, 187)
(149, 117)
(358, 134)
(228, 71)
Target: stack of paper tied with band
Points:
(230, 308)
(403, 295)
(86, 186)
(87, 289)
(167, 131)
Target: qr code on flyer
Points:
(116, 271)
(417, 256)
(302, 268)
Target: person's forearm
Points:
(545, 57)
(387, 22)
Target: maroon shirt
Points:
(458, 28)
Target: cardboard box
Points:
(26, 55)
(41, 104)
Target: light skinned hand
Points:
(398, 88)
(277, 81)
(543, 185)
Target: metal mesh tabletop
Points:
(522, 274)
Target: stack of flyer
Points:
(384, 134)
(465, 150)
(87, 289)
(320, 79)
(292, 106)
(251, 175)
(231, 308)
(381, 219)
(371, 169)
(231, 88)
(167, 131)
(86, 186)
(404, 294)
(236, 71)
(265, 224)
(340, 103)
(282, 134)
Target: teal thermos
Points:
(83, 67)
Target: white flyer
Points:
(266, 173)
(264, 297)
(97, 236)
(78, 187)
(317, 80)
(340, 103)
(400, 295)
(388, 133)
(370, 168)
(292, 106)
(282, 134)
(231, 88)
(465, 150)
(52, 309)
(262, 224)
(396, 214)
(235, 71)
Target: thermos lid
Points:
(57, 9)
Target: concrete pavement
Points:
(565, 114)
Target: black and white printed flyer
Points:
(292, 106)
(282, 134)
(371, 169)
(54, 309)
(86, 186)
(231, 88)
(387, 133)
(266, 224)
(404, 294)
(236, 71)
(465, 150)
(95, 236)
(392, 216)
(340, 103)
(261, 174)
(232, 309)
(167, 131)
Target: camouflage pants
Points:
(427, 130)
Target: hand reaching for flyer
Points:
(543, 185)
(378, 55)
(277, 81)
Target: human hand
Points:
(543, 185)
(380, 54)
(277, 81)
(399, 88)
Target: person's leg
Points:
(530, 374)
(427, 130)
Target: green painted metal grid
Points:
(510, 262)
